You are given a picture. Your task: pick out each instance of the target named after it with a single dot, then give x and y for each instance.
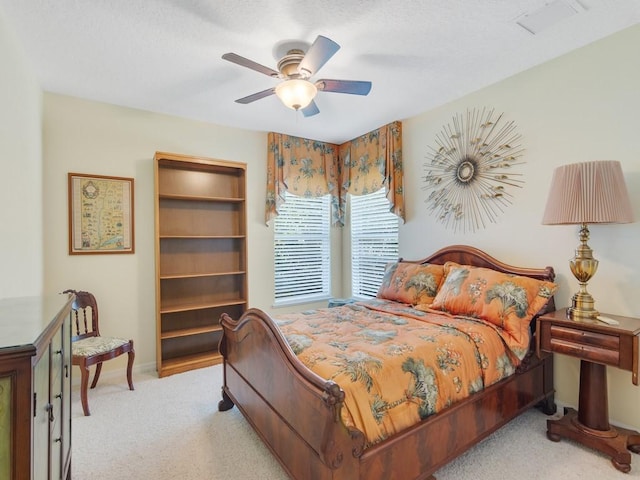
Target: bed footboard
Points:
(296, 413)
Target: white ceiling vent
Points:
(549, 15)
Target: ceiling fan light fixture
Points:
(296, 93)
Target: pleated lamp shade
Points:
(589, 192)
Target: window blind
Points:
(302, 250)
(374, 241)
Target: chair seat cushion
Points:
(90, 346)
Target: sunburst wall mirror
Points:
(472, 169)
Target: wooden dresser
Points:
(35, 388)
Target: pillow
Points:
(507, 301)
(413, 283)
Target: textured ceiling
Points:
(165, 55)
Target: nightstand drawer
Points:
(577, 342)
(585, 351)
(611, 342)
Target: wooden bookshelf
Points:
(201, 257)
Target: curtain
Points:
(302, 167)
(310, 168)
(374, 160)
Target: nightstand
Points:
(597, 345)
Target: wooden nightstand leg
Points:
(612, 442)
(633, 442)
(593, 403)
(590, 425)
(632, 439)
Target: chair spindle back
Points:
(84, 308)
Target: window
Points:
(302, 250)
(374, 242)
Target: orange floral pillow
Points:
(413, 283)
(507, 301)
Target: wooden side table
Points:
(597, 345)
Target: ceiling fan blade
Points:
(310, 110)
(354, 87)
(256, 96)
(321, 50)
(245, 62)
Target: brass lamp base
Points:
(582, 307)
(583, 266)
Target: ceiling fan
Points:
(296, 68)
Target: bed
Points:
(307, 420)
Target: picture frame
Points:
(101, 214)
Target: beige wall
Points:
(580, 107)
(21, 166)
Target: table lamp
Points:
(580, 194)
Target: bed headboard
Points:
(467, 255)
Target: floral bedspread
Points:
(397, 365)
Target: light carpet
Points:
(170, 428)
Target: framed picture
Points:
(100, 214)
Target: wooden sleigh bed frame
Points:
(297, 413)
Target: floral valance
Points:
(302, 167)
(309, 168)
(374, 160)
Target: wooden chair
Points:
(90, 348)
